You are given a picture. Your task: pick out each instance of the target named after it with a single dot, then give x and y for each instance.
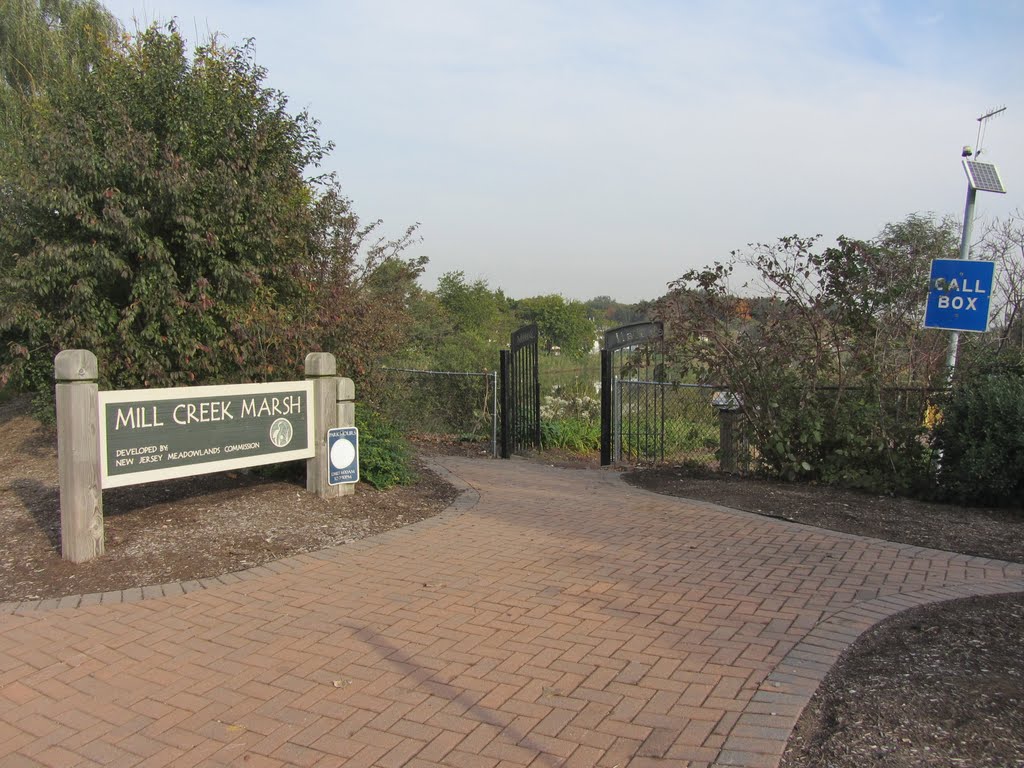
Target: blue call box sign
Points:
(959, 295)
(343, 455)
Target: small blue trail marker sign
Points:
(959, 295)
(343, 455)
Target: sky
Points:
(591, 147)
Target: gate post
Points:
(538, 444)
(345, 410)
(633, 354)
(727, 419)
(506, 396)
(322, 369)
(78, 458)
(606, 407)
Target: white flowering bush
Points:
(562, 406)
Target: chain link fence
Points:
(457, 404)
(702, 425)
(697, 425)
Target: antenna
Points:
(981, 127)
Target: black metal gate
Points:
(633, 394)
(520, 393)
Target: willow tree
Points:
(47, 41)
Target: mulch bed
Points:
(177, 530)
(940, 685)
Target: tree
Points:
(156, 212)
(141, 189)
(560, 323)
(473, 307)
(462, 325)
(42, 43)
(1003, 243)
(606, 312)
(362, 290)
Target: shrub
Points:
(981, 437)
(384, 456)
(858, 437)
(566, 405)
(830, 361)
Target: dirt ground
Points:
(938, 686)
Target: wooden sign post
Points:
(78, 460)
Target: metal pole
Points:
(616, 428)
(493, 376)
(536, 396)
(661, 449)
(506, 402)
(965, 250)
(606, 407)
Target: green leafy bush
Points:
(981, 437)
(418, 402)
(384, 456)
(858, 437)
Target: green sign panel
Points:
(158, 434)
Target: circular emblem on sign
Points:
(342, 454)
(281, 432)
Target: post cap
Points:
(346, 390)
(321, 364)
(75, 365)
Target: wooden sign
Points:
(158, 434)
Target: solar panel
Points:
(983, 176)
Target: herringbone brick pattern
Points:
(552, 618)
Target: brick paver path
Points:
(550, 618)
